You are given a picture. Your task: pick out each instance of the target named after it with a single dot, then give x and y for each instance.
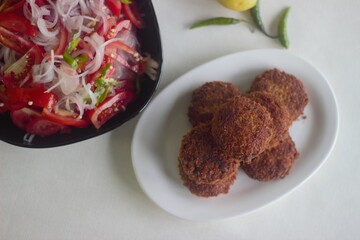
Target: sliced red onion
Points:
(48, 43)
(44, 72)
(133, 57)
(128, 37)
(80, 103)
(91, 19)
(32, 11)
(53, 13)
(97, 38)
(74, 23)
(41, 23)
(77, 23)
(84, 7)
(65, 7)
(68, 85)
(98, 8)
(44, 11)
(88, 93)
(113, 40)
(96, 42)
(56, 80)
(71, 103)
(122, 72)
(86, 52)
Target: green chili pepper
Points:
(73, 44)
(216, 21)
(70, 60)
(283, 37)
(73, 62)
(82, 59)
(255, 14)
(103, 84)
(100, 82)
(104, 70)
(103, 95)
(101, 89)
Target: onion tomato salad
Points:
(69, 63)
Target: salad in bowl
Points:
(75, 64)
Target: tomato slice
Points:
(5, 106)
(110, 107)
(65, 120)
(111, 51)
(14, 42)
(132, 13)
(137, 67)
(103, 29)
(41, 3)
(33, 122)
(16, 23)
(43, 127)
(114, 30)
(114, 6)
(63, 41)
(112, 47)
(31, 96)
(23, 116)
(16, 74)
(10, 6)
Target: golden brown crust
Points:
(287, 87)
(208, 98)
(242, 127)
(201, 159)
(208, 190)
(274, 163)
(278, 112)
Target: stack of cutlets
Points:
(232, 131)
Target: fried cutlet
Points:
(208, 190)
(278, 113)
(202, 161)
(207, 99)
(242, 128)
(274, 163)
(287, 87)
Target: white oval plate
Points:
(157, 137)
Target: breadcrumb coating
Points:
(274, 163)
(202, 160)
(242, 128)
(278, 112)
(288, 88)
(208, 98)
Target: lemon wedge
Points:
(238, 5)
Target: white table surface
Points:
(89, 191)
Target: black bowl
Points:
(150, 43)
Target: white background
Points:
(89, 191)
